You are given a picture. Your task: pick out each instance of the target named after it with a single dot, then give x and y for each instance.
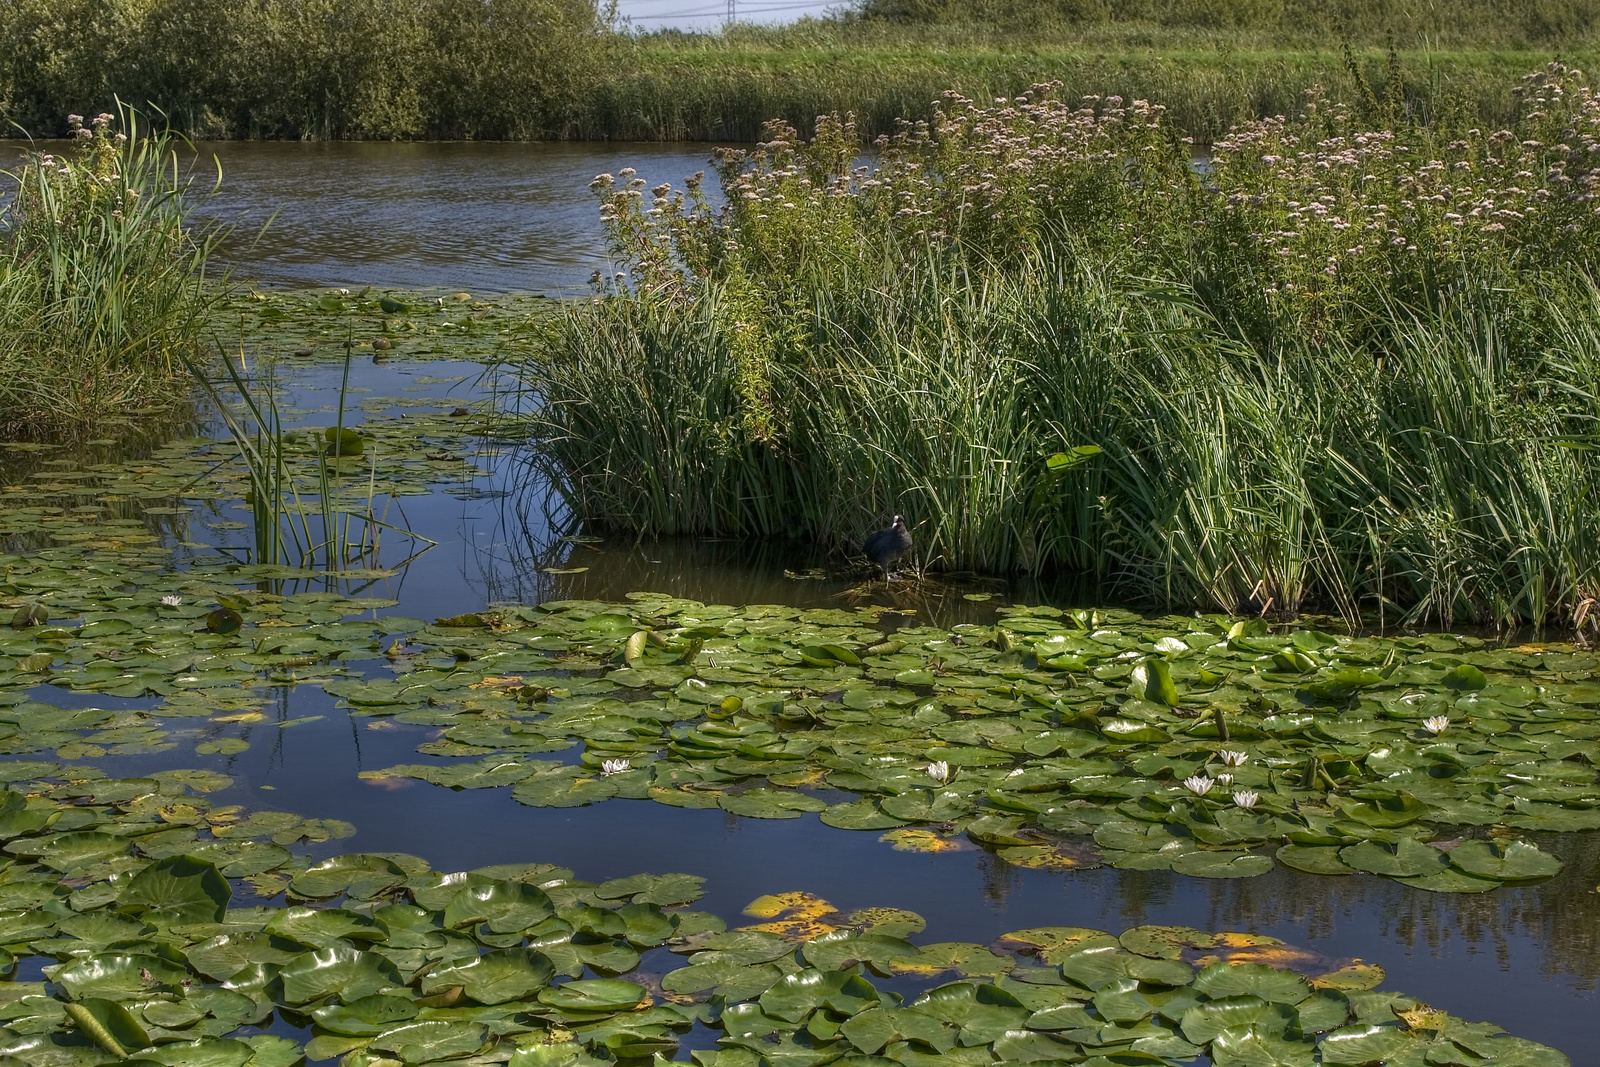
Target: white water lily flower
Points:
(1246, 799)
(1198, 784)
(612, 766)
(1229, 758)
(1225, 780)
(172, 601)
(1436, 725)
(939, 771)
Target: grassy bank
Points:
(102, 290)
(519, 69)
(697, 88)
(1354, 366)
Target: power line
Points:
(710, 12)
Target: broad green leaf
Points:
(366, 1016)
(340, 969)
(595, 994)
(1251, 979)
(177, 891)
(362, 877)
(1511, 861)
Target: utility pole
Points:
(733, 12)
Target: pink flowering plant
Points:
(1291, 219)
(1342, 359)
(1323, 210)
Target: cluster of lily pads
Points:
(310, 325)
(117, 894)
(1204, 745)
(1058, 739)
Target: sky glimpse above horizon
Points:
(650, 15)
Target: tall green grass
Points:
(102, 287)
(1301, 22)
(1396, 417)
(725, 89)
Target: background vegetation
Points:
(555, 68)
(102, 289)
(1353, 363)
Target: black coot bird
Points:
(887, 545)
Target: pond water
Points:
(1524, 957)
(489, 217)
(498, 218)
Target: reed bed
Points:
(103, 289)
(1353, 365)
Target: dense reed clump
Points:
(102, 288)
(1352, 362)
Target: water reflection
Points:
(489, 217)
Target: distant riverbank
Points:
(549, 69)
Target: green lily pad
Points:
(1098, 966)
(1512, 861)
(366, 1016)
(1237, 1013)
(205, 1052)
(119, 977)
(496, 977)
(362, 877)
(177, 891)
(429, 1040)
(341, 970)
(506, 907)
(595, 994)
(1248, 1048)
(1407, 858)
(1313, 859)
(109, 1025)
(1364, 1044)
(771, 804)
(796, 996)
(1251, 979)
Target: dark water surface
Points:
(488, 217)
(1525, 958)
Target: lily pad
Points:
(1512, 861)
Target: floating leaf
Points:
(1152, 680)
(1512, 861)
(496, 977)
(340, 969)
(595, 994)
(109, 1025)
(177, 891)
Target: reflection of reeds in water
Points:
(1558, 919)
(536, 555)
